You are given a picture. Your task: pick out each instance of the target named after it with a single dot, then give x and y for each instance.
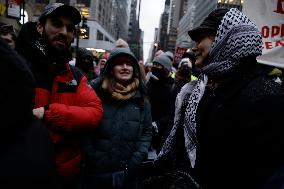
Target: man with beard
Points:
(63, 100)
(161, 98)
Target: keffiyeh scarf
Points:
(237, 37)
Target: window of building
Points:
(100, 35)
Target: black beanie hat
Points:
(209, 25)
(83, 53)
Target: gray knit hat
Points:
(164, 61)
(170, 55)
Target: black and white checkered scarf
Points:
(237, 37)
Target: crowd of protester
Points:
(210, 120)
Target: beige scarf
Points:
(118, 91)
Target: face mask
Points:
(160, 73)
(184, 71)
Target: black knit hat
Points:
(83, 52)
(209, 25)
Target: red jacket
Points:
(70, 109)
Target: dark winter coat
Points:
(121, 141)
(27, 157)
(239, 130)
(162, 106)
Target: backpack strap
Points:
(76, 73)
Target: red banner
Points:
(178, 54)
(16, 2)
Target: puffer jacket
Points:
(71, 106)
(122, 140)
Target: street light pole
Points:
(78, 32)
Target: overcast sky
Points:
(150, 14)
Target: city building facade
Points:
(178, 8)
(195, 14)
(154, 47)
(135, 34)
(172, 24)
(163, 27)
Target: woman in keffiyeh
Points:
(230, 116)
